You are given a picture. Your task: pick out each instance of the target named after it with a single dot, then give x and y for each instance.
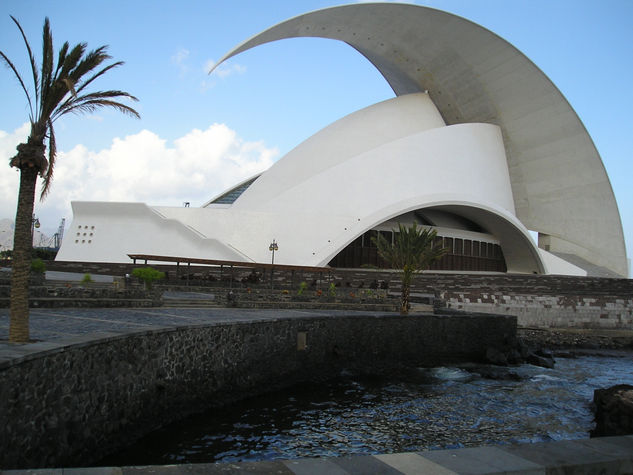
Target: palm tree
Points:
(413, 250)
(58, 89)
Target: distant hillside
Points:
(6, 236)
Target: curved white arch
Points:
(559, 184)
(520, 252)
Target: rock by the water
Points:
(496, 373)
(496, 357)
(538, 360)
(613, 411)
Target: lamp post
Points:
(35, 224)
(272, 248)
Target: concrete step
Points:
(382, 307)
(191, 303)
(421, 307)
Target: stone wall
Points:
(50, 295)
(71, 405)
(543, 301)
(537, 300)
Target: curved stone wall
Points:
(71, 404)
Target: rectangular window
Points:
(448, 243)
(459, 247)
(467, 247)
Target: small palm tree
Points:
(413, 250)
(58, 89)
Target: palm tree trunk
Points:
(406, 292)
(21, 264)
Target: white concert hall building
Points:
(477, 143)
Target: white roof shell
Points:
(559, 185)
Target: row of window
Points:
(463, 254)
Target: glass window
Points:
(448, 243)
(459, 247)
(467, 247)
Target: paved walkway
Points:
(608, 455)
(55, 327)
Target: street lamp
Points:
(35, 224)
(272, 248)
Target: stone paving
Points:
(54, 327)
(608, 455)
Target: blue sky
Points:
(199, 133)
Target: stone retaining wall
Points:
(550, 311)
(537, 300)
(71, 405)
(46, 295)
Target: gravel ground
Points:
(577, 338)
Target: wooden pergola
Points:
(232, 265)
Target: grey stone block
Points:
(564, 456)
(93, 471)
(262, 468)
(483, 460)
(40, 471)
(362, 465)
(314, 466)
(411, 463)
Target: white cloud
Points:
(141, 167)
(180, 56)
(179, 59)
(10, 177)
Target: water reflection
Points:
(426, 409)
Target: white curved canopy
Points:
(559, 184)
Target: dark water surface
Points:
(430, 408)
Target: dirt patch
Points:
(577, 338)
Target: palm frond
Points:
(10, 65)
(100, 73)
(72, 60)
(61, 83)
(91, 102)
(93, 105)
(47, 67)
(52, 154)
(61, 57)
(34, 72)
(69, 86)
(89, 62)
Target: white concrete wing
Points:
(559, 184)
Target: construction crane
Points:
(59, 235)
(53, 243)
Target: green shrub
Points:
(332, 290)
(87, 279)
(302, 287)
(38, 266)
(148, 275)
